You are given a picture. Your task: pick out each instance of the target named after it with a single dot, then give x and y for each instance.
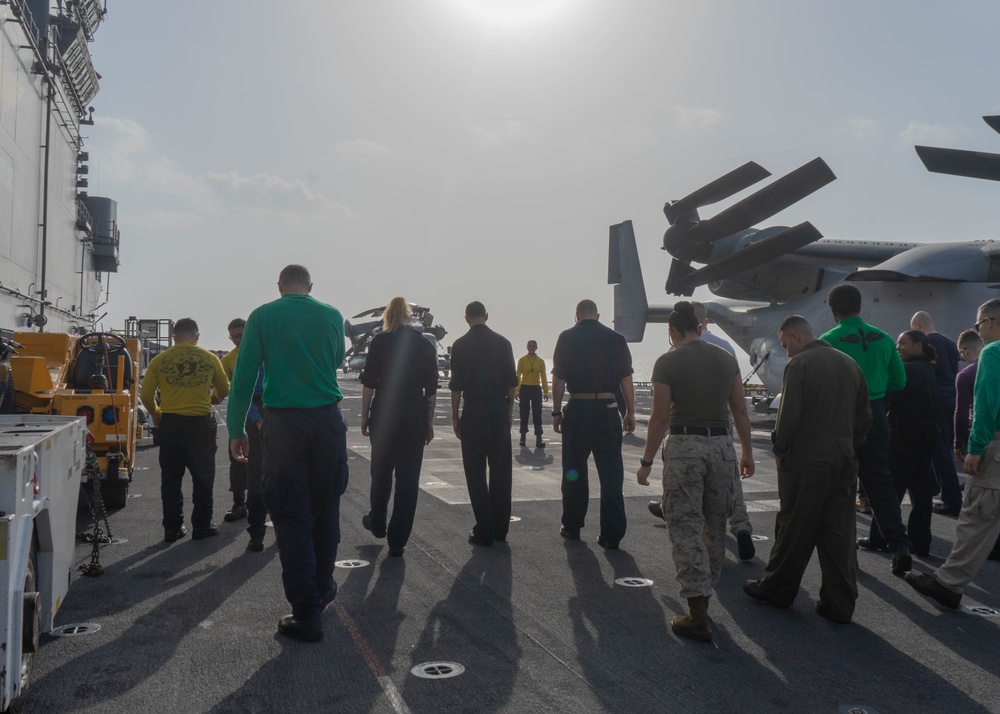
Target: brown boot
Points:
(695, 624)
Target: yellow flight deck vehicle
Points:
(92, 376)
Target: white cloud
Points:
(920, 133)
(127, 136)
(506, 133)
(360, 148)
(695, 117)
(262, 191)
(862, 126)
(126, 155)
(170, 220)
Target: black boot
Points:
(239, 510)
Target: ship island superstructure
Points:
(58, 243)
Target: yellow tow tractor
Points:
(92, 376)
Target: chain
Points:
(99, 513)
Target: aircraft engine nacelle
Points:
(769, 358)
(780, 282)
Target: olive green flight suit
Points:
(823, 418)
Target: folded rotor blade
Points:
(760, 206)
(723, 187)
(994, 122)
(373, 312)
(679, 270)
(956, 162)
(750, 258)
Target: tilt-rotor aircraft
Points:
(765, 275)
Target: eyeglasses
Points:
(237, 337)
(985, 319)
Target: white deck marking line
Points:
(395, 698)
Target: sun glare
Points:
(512, 12)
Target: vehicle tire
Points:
(31, 610)
(115, 493)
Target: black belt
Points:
(335, 405)
(174, 415)
(699, 431)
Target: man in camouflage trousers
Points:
(693, 385)
(698, 526)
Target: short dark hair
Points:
(295, 275)
(475, 309)
(236, 322)
(968, 337)
(186, 326)
(700, 311)
(990, 308)
(682, 318)
(797, 324)
(844, 300)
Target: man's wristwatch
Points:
(557, 414)
(645, 464)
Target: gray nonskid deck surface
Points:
(539, 624)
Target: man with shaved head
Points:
(299, 341)
(483, 377)
(945, 371)
(592, 361)
(823, 419)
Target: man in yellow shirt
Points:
(532, 384)
(185, 375)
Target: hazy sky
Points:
(451, 150)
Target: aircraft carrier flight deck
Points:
(537, 624)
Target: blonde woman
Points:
(397, 411)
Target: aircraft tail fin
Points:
(625, 273)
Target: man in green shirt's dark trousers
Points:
(300, 342)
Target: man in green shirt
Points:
(300, 343)
(875, 353)
(979, 520)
